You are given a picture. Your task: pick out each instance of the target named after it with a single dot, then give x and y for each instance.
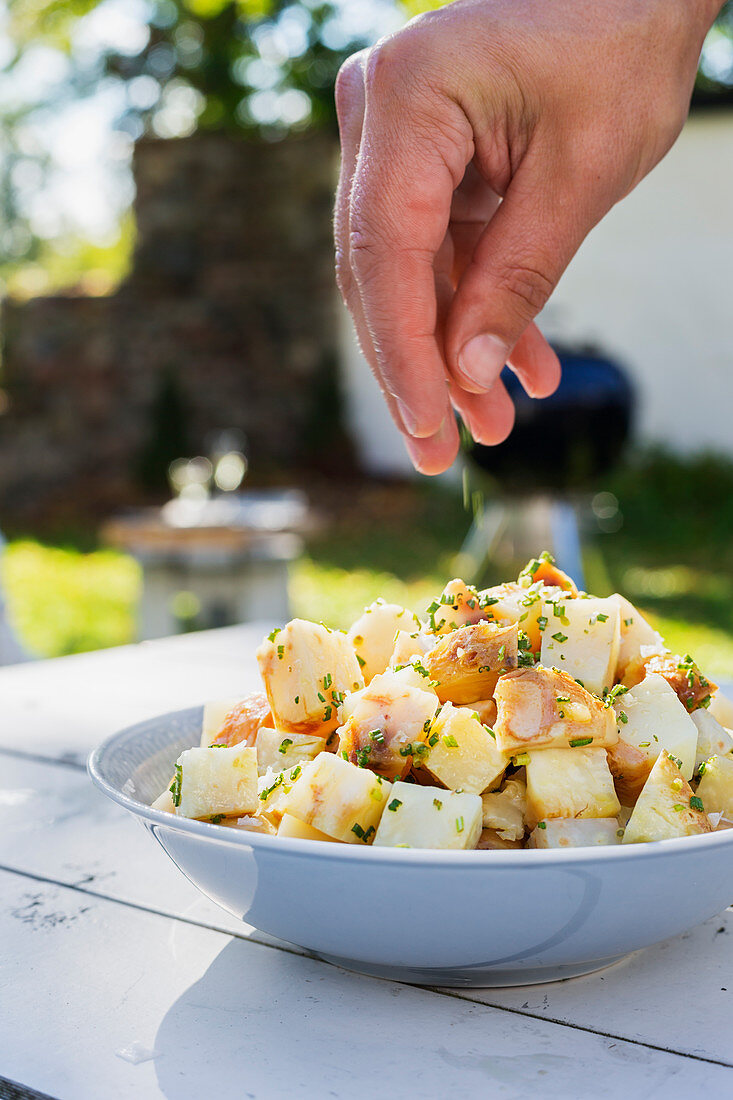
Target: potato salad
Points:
(527, 715)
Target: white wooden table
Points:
(117, 979)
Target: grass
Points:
(673, 556)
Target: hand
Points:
(480, 145)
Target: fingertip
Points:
(535, 363)
(435, 454)
(488, 416)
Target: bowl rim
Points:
(330, 850)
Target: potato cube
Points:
(373, 635)
(457, 605)
(493, 841)
(307, 669)
(408, 646)
(715, 789)
(575, 833)
(385, 720)
(635, 633)
(722, 708)
(234, 721)
(467, 662)
(428, 817)
(630, 768)
(581, 637)
(164, 801)
(544, 708)
(291, 827)
(338, 798)
(277, 751)
(272, 788)
(514, 603)
(463, 754)
(666, 807)
(681, 673)
(569, 783)
(210, 782)
(651, 717)
(504, 811)
(712, 738)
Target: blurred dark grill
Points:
(569, 438)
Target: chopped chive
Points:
(623, 717)
(522, 759)
(601, 618)
(541, 824)
(438, 804)
(394, 804)
(361, 661)
(542, 622)
(378, 736)
(678, 807)
(559, 637)
(696, 803)
(579, 742)
(280, 652)
(459, 824)
(273, 634)
(449, 741)
(285, 745)
(175, 787)
(356, 828)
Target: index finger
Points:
(400, 210)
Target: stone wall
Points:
(230, 306)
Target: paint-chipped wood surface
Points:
(118, 979)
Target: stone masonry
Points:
(230, 302)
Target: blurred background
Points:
(188, 434)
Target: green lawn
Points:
(673, 556)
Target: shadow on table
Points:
(265, 1024)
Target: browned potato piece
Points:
(544, 569)
(513, 603)
(240, 723)
(385, 720)
(492, 841)
(545, 708)
(681, 673)
(466, 664)
(630, 768)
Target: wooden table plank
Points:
(227, 1018)
(54, 824)
(63, 708)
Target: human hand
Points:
(480, 145)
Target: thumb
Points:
(516, 265)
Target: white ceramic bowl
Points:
(429, 917)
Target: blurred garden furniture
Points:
(120, 980)
(214, 561)
(559, 444)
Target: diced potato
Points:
(338, 798)
(493, 841)
(545, 708)
(630, 768)
(463, 754)
(272, 789)
(291, 827)
(722, 708)
(712, 738)
(210, 782)
(457, 605)
(681, 673)
(716, 786)
(486, 710)
(373, 635)
(277, 751)
(666, 807)
(504, 811)
(569, 783)
(428, 817)
(385, 720)
(514, 603)
(575, 833)
(545, 570)
(581, 637)
(234, 721)
(466, 663)
(165, 802)
(636, 633)
(307, 669)
(407, 646)
(652, 718)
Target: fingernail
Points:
(407, 416)
(481, 360)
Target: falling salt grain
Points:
(136, 1053)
